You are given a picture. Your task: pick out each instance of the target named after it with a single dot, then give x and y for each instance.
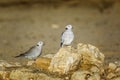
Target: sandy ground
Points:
(23, 26)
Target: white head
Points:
(40, 43)
(68, 27)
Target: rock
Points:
(26, 74)
(117, 70)
(112, 67)
(65, 60)
(110, 76)
(30, 63)
(85, 75)
(85, 62)
(4, 75)
(80, 75)
(95, 76)
(1, 78)
(4, 64)
(94, 69)
(43, 63)
(116, 78)
(68, 58)
(90, 55)
(49, 56)
(113, 72)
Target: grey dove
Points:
(67, 36)
(33, 52)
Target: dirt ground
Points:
(23, 26)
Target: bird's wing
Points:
(62, 40)
(25, 53)
(62, 36)
(30, 50)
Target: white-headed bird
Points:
(67, 36)
(33, 52)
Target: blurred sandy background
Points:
(25, 22)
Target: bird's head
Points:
(40, 43)
(68, 27)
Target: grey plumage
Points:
(33, 52)
(67, 36)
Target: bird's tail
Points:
(21, 55)
(61, 44)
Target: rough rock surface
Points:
(112, 71)
(85, 75)
(68, 58)
(90, 55)
(43, 63)
(4, 75)
(65, 60)
(85, 62)
(26, 74)
(49, 56)
(4, 64)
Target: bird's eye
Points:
(66, 28)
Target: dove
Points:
(33, 52)
(67, 36)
